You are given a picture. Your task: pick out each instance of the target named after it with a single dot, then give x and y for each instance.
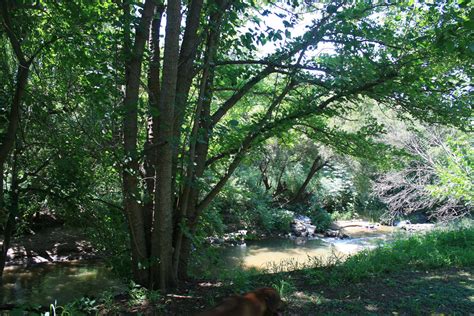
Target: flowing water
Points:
(63, 282)
(44, 284)
(281, 253)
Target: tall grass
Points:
(452, 247)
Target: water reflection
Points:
(62, 282)
(265, 253)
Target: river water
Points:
(44, 284)
(63, 282)
(282, 254)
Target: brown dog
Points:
(261, 302)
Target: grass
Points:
(434, 249)
(423, 274)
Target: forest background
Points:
(154, 125)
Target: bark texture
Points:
(163, 222)
(130, 177)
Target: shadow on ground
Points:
(408, 293)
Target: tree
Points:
(8, 137)
(395, 60)
(213, 96)
(47, 150)
(437, 181)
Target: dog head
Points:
(272, 300)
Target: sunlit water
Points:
(62, 282)
(285, 254)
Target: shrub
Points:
(321, 219)
(283, 219)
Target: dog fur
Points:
(261, 302)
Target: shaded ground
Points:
(53, 244)
(448, 291)
(444, 291)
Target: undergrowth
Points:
(434, 249)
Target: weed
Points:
(137, 294)
(435, 249)
(285, 288)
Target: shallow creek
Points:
(63, 282)
(278, 254)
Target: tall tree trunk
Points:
(14, 117)
(21, 81)
(8, 140)
(196, 207)
(131, 193)
(317, 165)
(186, 74)
(162, 247)
(5, 148)
(12, 214)
(197, 149)
(150, 147)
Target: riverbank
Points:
(427, 264)
(423, 274)
(51, 245)
(442, 291)
(62, 243)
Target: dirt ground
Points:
(437, 292)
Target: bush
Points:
(211, 223)
(273, 220)
(283, 219)
(343, 216)
(321, 219)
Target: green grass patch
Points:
(435, 249)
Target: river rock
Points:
(233, 239)
(402, 223)
(311, 229)
(417, 227)
(302, 227)
(335, 234)
(303, 219)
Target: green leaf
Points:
(233, 123)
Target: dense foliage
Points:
(133, 117)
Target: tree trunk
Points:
(13, 213)
(186, 212)
(207, 122)
(263, 166)
(131, 194)
(150, 147)
(14, 117)
(5, 148)
(8, 140)
(317, 165)
(162, 247)
(187, 57)
(21, 82)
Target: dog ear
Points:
(272, 299)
